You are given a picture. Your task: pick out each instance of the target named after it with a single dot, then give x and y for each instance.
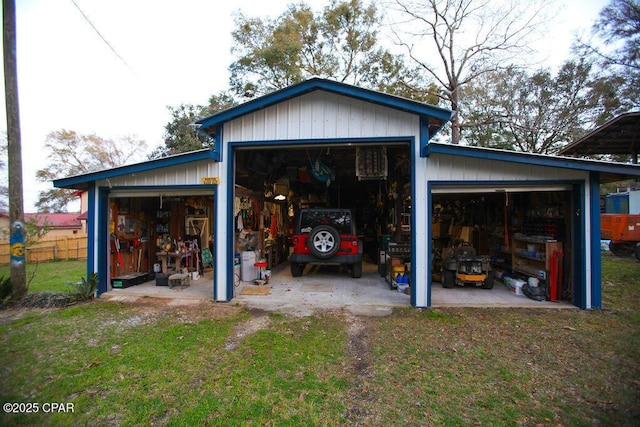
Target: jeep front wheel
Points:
(324, 241)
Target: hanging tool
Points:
(120, 261)
(139, 259)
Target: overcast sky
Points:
(168, 52)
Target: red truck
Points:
(623, 231)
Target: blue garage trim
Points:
(160, 188)
(596, 255)
(214, 255)
(231, 155)
(218, 138)
(292, 143)
(532, 159)
(501, 184)
(413, 221)
(424, 136)
(233, 145)
(178, 159)
(103, 235)
(579, 297)
(313, 84)
(578, 225)
(91, 225)
(103, 250)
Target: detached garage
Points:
(319, 143)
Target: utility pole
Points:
(14, 151)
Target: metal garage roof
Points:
(620, 135)
(437, 117)
(82, 181)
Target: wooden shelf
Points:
(531, 256)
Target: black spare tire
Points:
(324, 241)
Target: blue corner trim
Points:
(412, 273)
(103, 234)
(596, 256)
(424, 136)
(429, 263)
(91, 227)
(231, 171)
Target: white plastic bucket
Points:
(533, 282)
(517, 286)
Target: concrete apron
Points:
(322, 288)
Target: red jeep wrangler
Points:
(326, 237)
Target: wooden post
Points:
(14, 151)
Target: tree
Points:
(615, 47)
(469, 38)
(180, 135)
(341, 44)
(72, 154)
(537, 113)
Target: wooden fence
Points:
(55, 248)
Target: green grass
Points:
(147, 363)
(51, 276)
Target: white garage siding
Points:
(321, 115)
(442, 167)
(183, 174)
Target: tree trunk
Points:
(455, 121)
(14, 151)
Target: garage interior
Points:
(524, 233)
(153, 237)
(373, 181)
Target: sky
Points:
(160, 53)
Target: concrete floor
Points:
(329, 288)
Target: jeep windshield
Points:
(340, 220)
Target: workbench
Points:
(191, 255)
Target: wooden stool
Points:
(179, 279)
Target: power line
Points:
(86, 18)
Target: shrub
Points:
(5, 289)
(86, 289)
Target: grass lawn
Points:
(51, 276)
(147, 363)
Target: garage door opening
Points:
(158, 239)
(273, 184)
(519, 239)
